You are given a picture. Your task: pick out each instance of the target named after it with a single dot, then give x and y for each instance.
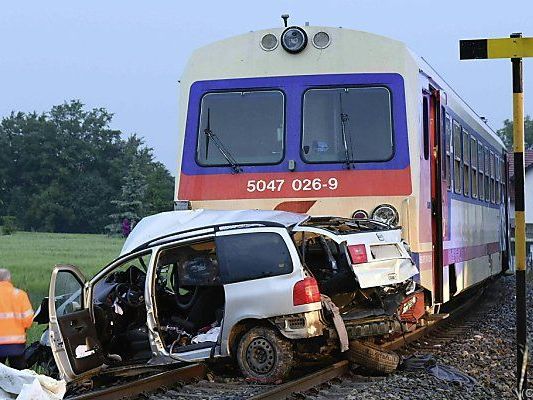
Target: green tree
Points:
(65, 170)
(506, 133)
(131, 204)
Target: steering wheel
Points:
(184, 301)
(128, 295)
(185, 295)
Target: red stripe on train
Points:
(295, 184)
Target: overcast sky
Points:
(128, 55)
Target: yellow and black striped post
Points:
(520, 224)
(516, 47)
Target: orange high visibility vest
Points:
(16, 314)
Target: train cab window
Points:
(481, 169)
(245, 128)
(487, 175)
(466, 162)
(492, 179)
(347, 124)
(457, 165)
(473, 166)
(448, 138)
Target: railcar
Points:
(333, 121)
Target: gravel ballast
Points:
(486, 352)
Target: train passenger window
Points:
(487, 176)
(473, 166)
(492, 184)
(448, 145)
(466, 162)
(481, 169)
(425, 127)
(457, 165)
(497, 180)
(347, 124)
(245, 128)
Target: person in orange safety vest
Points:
(16, 316)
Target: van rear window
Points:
(249, 256)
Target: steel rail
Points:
(277, 392)
(304, 383)
(146, 384)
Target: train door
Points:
(432, 149)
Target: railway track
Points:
(195, 382)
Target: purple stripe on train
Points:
(293, 87)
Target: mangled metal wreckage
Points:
(265, 287)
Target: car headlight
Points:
(294, 39)
(360, 214)
(387, 214)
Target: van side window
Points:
(249, 256)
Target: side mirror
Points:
(42, 315)
(306, 149)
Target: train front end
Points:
(303, 119)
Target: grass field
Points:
(31, 256)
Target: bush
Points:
(9, 225)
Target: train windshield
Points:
(347, 124)
(241, 128)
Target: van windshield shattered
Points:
(241, 128)
(345, 226)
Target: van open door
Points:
(73, 338)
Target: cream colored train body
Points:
(347, 123)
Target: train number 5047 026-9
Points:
(297, 185)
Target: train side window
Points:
(487, 175)
(448, 145)
(457, 165)
(481, 169)
(425, 128)
(497, 181)
(492, 183)
(503, 180)
(466, 163)
(473, 166)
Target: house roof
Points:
(528, 162)
(174, 223)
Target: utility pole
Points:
(516, 47)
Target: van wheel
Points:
(264, 355)
(372, 357)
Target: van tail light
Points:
(358, 253)
(305, 291)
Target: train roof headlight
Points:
(321, 40)
(269, 42)
(386, 213)
(294, 39)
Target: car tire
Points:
(264, 355)
(372, 357)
